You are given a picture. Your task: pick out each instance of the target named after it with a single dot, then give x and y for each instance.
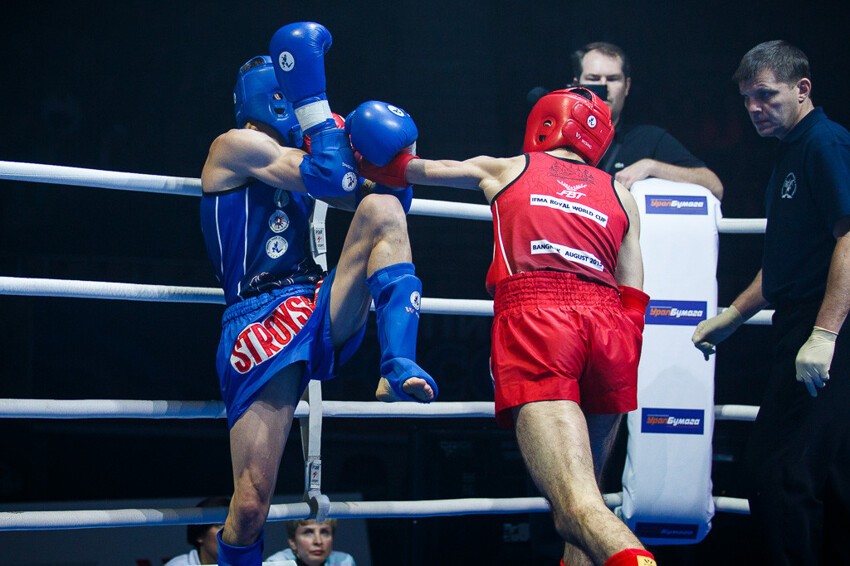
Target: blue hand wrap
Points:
(251, 555)
(329, 170)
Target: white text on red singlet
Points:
(570, 254)
(570, 207)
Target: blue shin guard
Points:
(398, 293)
(251, 555)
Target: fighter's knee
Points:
(382, 212)
(249, 513)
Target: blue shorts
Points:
(262, 335)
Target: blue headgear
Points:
(258, 97)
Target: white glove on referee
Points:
(716, 329)
(814, 359)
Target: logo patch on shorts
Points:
(261, 341)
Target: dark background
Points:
(144, 87)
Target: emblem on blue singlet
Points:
(281, 198)
(276, 247)
(278, 221)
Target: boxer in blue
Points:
(286, 321)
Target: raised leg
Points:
(377, 250)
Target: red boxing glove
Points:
(338, 120)
(392, 174)
(634, 303)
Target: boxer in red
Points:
(566, 277)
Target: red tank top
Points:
(558, 215)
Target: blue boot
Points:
(251, 555)
(397, 293)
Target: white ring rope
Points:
(142, 409)
(71, 409)
(26, 286)
(103, 518)
(113, 409)
(57, 174)
(98, 178)
(98, 518)
(735, 412)
(36, 287)
(47, 520)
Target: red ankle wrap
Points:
(631, 557)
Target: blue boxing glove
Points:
(298, 51)
(379, 131)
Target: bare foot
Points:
(416, 387)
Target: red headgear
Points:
(573, 118)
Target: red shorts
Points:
(556, 336)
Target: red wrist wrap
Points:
(634, 303)
(392, 174)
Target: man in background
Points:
(638, 151)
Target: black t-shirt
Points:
(633, 143)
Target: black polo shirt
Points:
(808, 192)
(633, 143)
